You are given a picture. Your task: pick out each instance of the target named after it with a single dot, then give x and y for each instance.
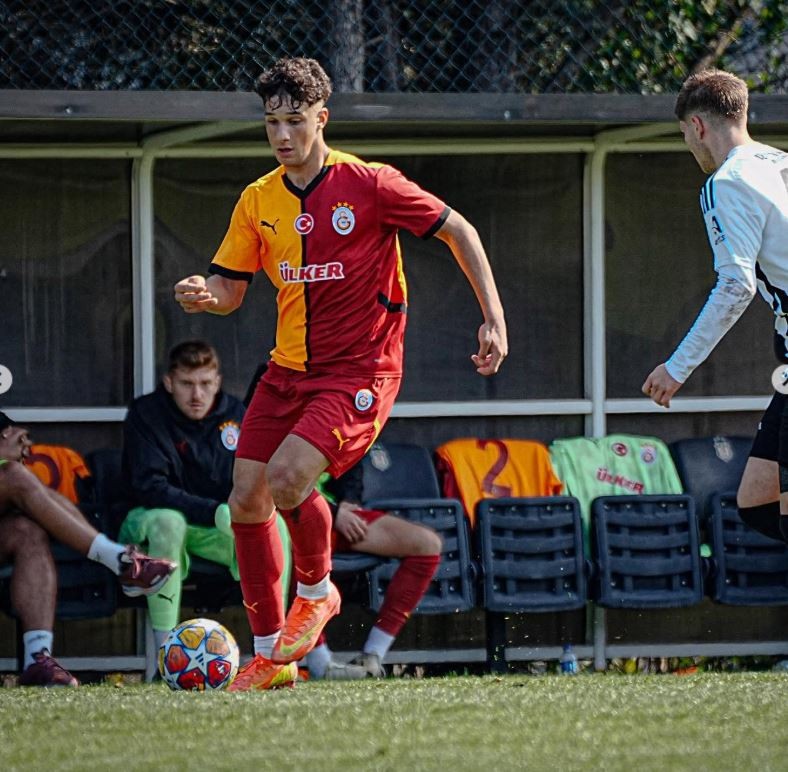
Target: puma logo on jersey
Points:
(340, 439)
(308, 273)
(267, 224)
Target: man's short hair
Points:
(192, 354)
(714, 92)
(5, 421)
(303, 80)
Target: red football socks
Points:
(405, 590)
(260, 562)
(310, 537)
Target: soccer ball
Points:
(198, 655)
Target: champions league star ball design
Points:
(199, 655)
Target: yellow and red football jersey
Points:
(331, 250)
(476, 469)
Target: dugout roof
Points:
(100, 117)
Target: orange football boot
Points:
(304, 623)
(261, 673)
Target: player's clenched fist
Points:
(193, 295)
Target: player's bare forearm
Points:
(466, 246)
(214, 295)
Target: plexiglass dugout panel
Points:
(65, 282)
(659, 271)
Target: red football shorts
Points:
(339, 415)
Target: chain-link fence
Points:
(541, 46)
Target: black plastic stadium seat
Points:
(399, 471)
(710, 465)
(646, 551)
(750, 569)
(452, 588)
(396, 471)
(531, 553)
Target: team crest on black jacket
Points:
(229, 433)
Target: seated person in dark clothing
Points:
(31, 513)
(356, 529)
(178, 452)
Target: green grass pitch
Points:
(710, 721)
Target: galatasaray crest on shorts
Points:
(364, 399)
(229, 434)
(343, 218)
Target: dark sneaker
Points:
(371, 663)
(143, 575)
(46, 671)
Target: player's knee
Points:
(287, 485)
(167, 527)
(250, 506)
(433, 544)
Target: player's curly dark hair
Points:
(303, 80)
(714, 92)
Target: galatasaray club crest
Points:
(304, 223)
(648, 454)
(364, 399)
(229, 434)
(343, 218)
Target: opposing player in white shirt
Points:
(745, 208)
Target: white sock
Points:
(34, 641)
(314, 591)
(106, 552)
(378, 642)
(318, 659)
(264, 644)
(159, 636)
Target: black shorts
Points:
(771, 441)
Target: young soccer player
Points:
(745, 207)
(323, 226)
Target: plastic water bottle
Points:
(568, 661)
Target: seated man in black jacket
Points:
(178, 452)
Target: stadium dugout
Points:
(587, 205)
